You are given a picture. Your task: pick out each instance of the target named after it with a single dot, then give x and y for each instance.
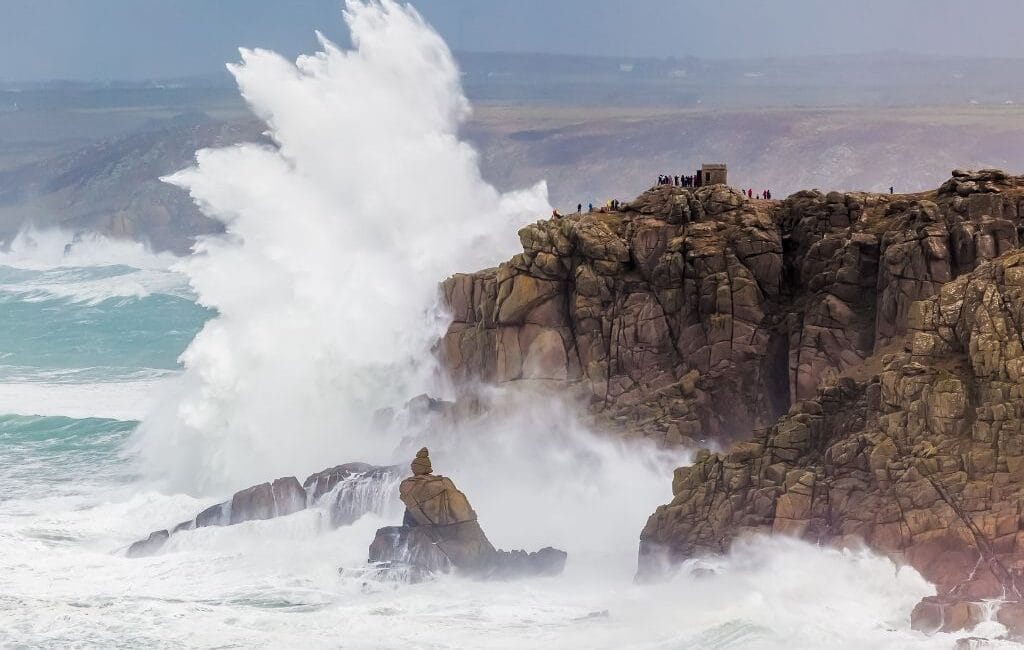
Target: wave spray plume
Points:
(336, 237)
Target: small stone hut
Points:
(712, 174)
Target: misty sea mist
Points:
(137, 389)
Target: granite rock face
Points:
(440, 534)
(922, 460)
(700, 314)
(860, 356)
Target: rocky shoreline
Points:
(857, 361)
(858, 356)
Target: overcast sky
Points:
(139, 39)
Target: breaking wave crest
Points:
(55, 265)
(53, 248)
(325, 282)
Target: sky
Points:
(145, 39)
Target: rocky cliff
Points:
(861, 357)
(701, 314)
(923, 460)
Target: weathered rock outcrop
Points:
(922, 460)
(863, 352)
(440, 534)
(346, 492)
(702, 314)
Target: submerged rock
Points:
(935, 614)
(149, 545)
(347, 492)
(440, 534)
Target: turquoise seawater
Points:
(102, 321)
(62, 453)
(84, 336)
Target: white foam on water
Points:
(116, 400)
(275, 584)
(535, 477)
(54, 248)
(75, 286)
(87, 268)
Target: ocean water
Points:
(137, 389)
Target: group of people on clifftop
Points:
(676, 181)
(611, 205)
(690, 181)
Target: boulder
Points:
(440, 534)
(252, 503)
(1011, 615)
(434, 501)
(548, 561)
(148, 546)
(934, 614)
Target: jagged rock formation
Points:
(886, 331)
(701, 314)
(923, 460)
(440, 534)
(347, 492)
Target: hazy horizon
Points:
(151, 39)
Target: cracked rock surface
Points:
(860, 357)
(702, 315)
(441, 534)
(923, 460)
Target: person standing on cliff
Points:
(891, 189)
(579, 208)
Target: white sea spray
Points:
(325, 282)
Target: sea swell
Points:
(61, 453)
(83, 338)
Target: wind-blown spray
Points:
(336, 237)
